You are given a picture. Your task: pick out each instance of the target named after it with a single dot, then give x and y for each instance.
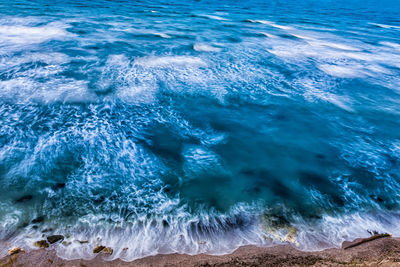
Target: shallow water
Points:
(198, 126)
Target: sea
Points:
(194, 127)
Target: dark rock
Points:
(41, 244)
(359, 241)
(24, 198)
(376, 198)
(38, 219)
(55, 238)
(98, 249)
(99, 199)
(165, 223)
(83, 241)
(278, 221)
(47, 230)
(167, 189)
(58, 186)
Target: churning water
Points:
(198, 126)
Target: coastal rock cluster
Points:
(103, 249)
(279, 228)
(14, 251)
(52, 239)
(41, 244)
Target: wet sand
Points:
(379, 252)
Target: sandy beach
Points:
(379, 252)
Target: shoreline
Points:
(382, 251)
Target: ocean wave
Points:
(165, 132)
(214, 17)
(385, 26)
(209, 233)
(270, 23)
(162, 35)
(268, 35)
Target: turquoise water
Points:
(198, 126)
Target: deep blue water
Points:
(198, 126)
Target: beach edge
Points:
(383, 251)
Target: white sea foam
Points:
(332, 45)
(282, 27)
(201, 47)
(25, 89)
(342, 71)
(162, 35)
(314, 91)
(333, 230)
(41, 82)
(367, 154)
(300, 36)
(272, 24)
(138, 80)
(130, 83)
(205, 233)
(48, 58)
(283, 53)
(213, 17)
(339, 59)
(260, 21)
(199, 160)
(31, 35)
(170, 61)
(268, 35)
(385, 26)
(391, 44)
